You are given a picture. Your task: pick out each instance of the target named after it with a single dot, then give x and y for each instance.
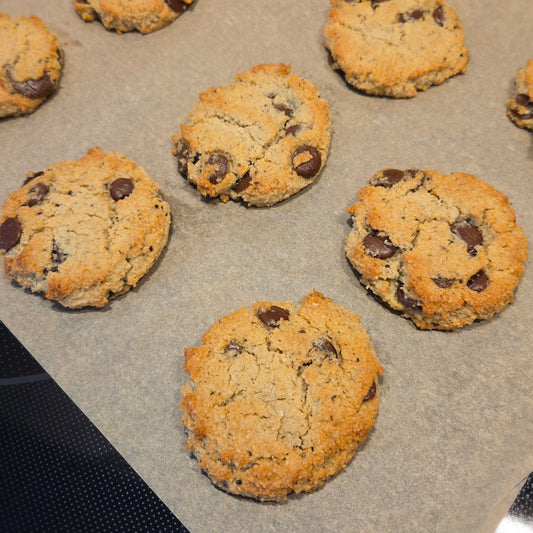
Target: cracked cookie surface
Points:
(395, 47)
(279, 396)
(30, 64)
(122, 16)
(82, 232)
(261, 139)
(443, 250)
(520, 107)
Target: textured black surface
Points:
(57, 471)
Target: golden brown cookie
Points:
(84, 231)
(144, 16)
(442, 250)
(279, 397)
(260, 140)
(520, 107)
(395, 47)
(30, 64)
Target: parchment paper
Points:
(454, 431)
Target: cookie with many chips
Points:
(82, 232)
(261, 139)
(395, 47)
(520, 106)
(443, 250)
(30, 64)
(144, 16)
(280, 396)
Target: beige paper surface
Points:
(454, 431)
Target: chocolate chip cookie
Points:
(259, 140)
(520, 107)
(82, 232)
(395, 47)
(443, 250)
(30, 64)
(280, 396)
(144, 16)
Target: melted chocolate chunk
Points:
(371, 392)
(468, 233)
(233, 346)
(40, 88)
(438, 16)
(324, 345)
(32, 176)
(375, 3)
(416, 14)
(37, 193)
(311, 166)
(243, 183)
(284, 109)
(443, 283)
(478, 282)
(182, 155)
(391, 176)
(523, 100)
(221, 162)
(406, 301)
(58, 256)
(121, 188)
(292, 130)
(176, 5)
(521, 116)
(10, 232)
(271, 316)
(378, 246)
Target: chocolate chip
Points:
(292, 130)
(378, 246)
(391, 176)
(37, 193)
(523, 100)
(284, 109)
(406, 301)
(221, 162)
(58, 256)
(31, 176)
(438, 16)
(371, 392)
(324, 345)
(233, 346)
(416, 14)
(374, 3)
(176, 5)
(468, 233)
(311, 164)
(40, 88)
(271, 316)
(182, 155)
(478, 282)
(443, 283)
(121, 188)
(10, 232)
(243, 183)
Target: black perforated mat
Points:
(57, 471)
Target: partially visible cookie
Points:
(84, 231)
(279, 397)
(30, 64)
(144, 16)
(442, 250)
(260, 140)
(520, 107)
(395, 47)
